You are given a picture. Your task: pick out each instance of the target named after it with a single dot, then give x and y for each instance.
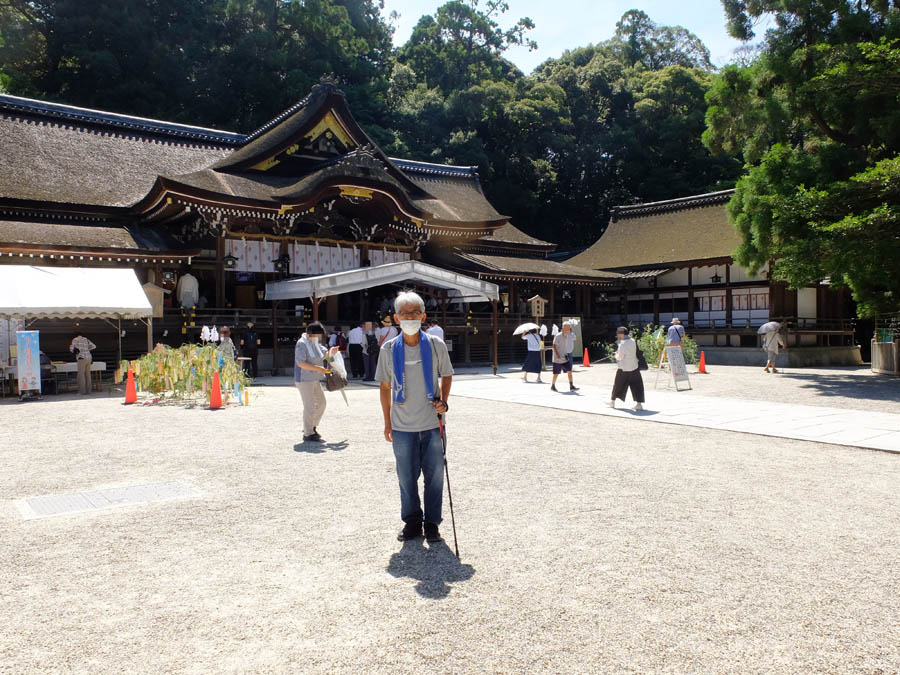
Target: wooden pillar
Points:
(552, 287)
(274, 337)
(315, 308)
(655, 307)
(691, 297)
(149, 335)
(495, 326)
(513, 297)
(729, 307)
(220, 271)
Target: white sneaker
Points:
(638, 406)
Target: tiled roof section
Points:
(409, 166)
(533, 266)
(651, 236)
(10, 105)
(669, 205)
(48, 158)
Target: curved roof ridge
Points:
(434, 168)
(20, 104)
(666, 205)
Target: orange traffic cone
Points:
(130, 389)
(587, 359)
(215, 395)
(702, 368)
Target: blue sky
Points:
(566, 24)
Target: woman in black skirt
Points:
(628, 376)
(533, 358)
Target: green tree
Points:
(226, 63)
(817, 120)
(461, 45)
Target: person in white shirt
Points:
(628, 376)
(356, 338)
(188, 290)
(533, 358)
(434, 329)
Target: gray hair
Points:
(407, 298)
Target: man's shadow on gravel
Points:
(317, 448)
(434, 567)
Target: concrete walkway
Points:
(838, 426)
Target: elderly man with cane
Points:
(409, 366)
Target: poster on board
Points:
(677, 366)
(28, 360)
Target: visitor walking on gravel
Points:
(533, 357)
(409, 366)
(309, 371)
(628, 375)
(561, 361)
(773, 342)
(82, 346)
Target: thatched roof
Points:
(663, 233)
(50, 158)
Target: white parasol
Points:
(526, 327)
(769, 327)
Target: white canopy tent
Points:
(470, 290)
(466, 288)
(28, 292)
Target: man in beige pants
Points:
(309, 371)
(82, 348)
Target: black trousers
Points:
(357, 369)
(251, 365)
(628, 380)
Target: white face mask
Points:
(410, 326)
(314, 339)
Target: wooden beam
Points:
(495, 326)
(220, 271)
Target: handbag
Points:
(642, 362)
(336, 378)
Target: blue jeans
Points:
(420, 452)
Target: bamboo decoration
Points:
(186, 372)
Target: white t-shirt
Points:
(534, 342)
(356, 336)
(436, 330)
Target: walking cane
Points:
(447, 474)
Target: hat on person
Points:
(675, 319)
(386, 321)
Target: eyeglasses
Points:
(416, 314)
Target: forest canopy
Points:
(611, 123)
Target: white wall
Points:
(806, 303)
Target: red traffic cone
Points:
(702, 368)
(586, 362)
(130, 389)
(215, 394)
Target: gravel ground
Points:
(589, 544)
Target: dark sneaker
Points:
(313, 438)
(553, 387)
(572, 387)
(410, 531)
(432, 534)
